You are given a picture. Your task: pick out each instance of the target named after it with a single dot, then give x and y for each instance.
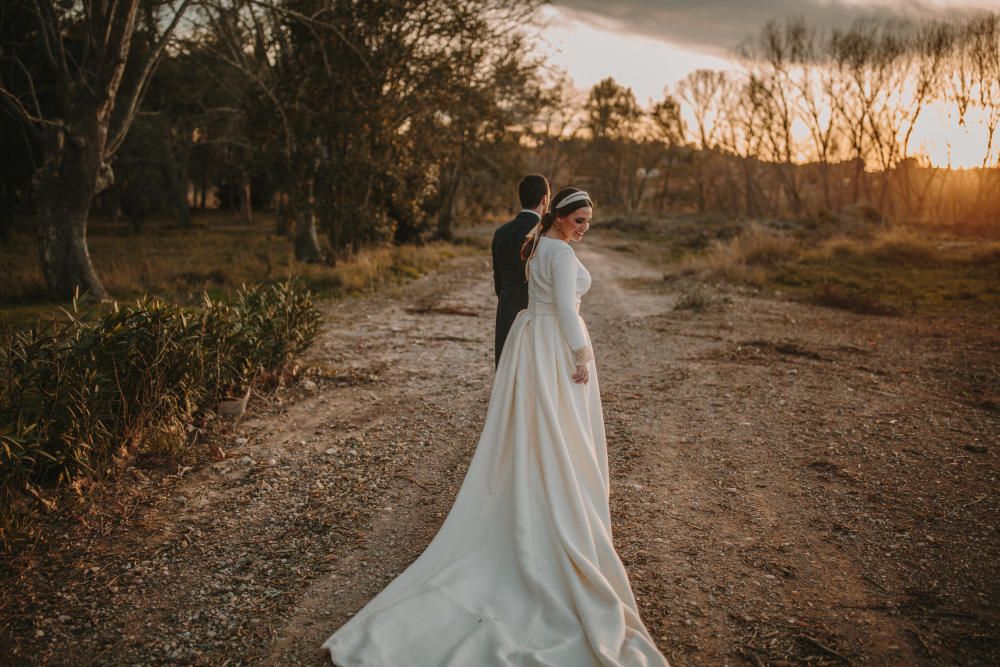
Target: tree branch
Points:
(47, 22)
(147, 73)
(17, 109)
(31, 86)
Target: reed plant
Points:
(79, 395)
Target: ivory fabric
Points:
(523, 571)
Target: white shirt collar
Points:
(532, 212)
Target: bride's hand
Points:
(582, 375)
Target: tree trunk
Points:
(177, 193)
(6, 212)
(306, 241)
(281, 222)
(246, 206)
(446, 215)
(65, 185)
(303, 210)
(825, 173)
(749, 201)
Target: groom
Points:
(508, 267)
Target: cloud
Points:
(718, 26)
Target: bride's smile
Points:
(573, 226)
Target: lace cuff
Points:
(582, 356)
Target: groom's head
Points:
(532, 189)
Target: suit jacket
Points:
(508, 274)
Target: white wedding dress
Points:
(523, 571)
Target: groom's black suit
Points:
(508, 273)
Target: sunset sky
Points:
(647, 44)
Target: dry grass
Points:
(745, 258)
(897, 270)
(881, 270)
(892, 245)
(216, 256)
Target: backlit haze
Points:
(649, 44)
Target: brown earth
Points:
(791, 485)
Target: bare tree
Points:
(814, 82)
(771, 58)
(705, 92)
(983, 38)
(856, 86)
(71, 101)
(743, 134)
(928, 49)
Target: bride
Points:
(523, 571)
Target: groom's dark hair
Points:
(531, 189)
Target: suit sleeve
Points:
(496, 268)
(564, 270)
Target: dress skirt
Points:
(523, 571)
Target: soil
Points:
(790, 485)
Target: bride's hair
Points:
(555, 210)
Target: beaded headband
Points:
(575, 197)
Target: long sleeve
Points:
(564, 272)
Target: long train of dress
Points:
(523, 571)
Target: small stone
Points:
(241, 441)
(309, 385)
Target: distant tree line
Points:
(387, 120)
(813, 121)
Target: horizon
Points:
(631, 43)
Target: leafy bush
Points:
(78, 394)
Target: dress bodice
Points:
(557, 281)
(542, 272)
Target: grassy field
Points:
(862, 267)
(216, 256)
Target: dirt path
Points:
(790, 485)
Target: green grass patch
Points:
(215, 256)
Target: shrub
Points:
(745, 258)
(78, 394)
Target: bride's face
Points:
(573, 226)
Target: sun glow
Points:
(948, 143)
(591, 49)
